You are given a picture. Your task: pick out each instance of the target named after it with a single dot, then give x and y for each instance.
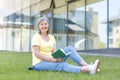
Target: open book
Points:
(60, 54)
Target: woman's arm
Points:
(54, 48)
(37, 53)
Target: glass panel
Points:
(25, 29)
(13, 28)
(76, 24)
(45, 3)
(59, 28)
(17, 31)
(25, 17)
(8, 33)
(35, 14)
(59, 3)
(35, 1)
(114, 24)
(25, 3)
(1, 37)
(96, 31)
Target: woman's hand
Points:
(59, 60)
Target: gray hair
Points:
(41, 19)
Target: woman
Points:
(44, 44)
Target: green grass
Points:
(14, 66)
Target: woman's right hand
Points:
(59, 60)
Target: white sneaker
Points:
(98, 70)
(94, 67)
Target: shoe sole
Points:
(98, 64)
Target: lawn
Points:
(14, 66)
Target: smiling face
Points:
(44, 26)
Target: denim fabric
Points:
(62, 66)
(74, 55)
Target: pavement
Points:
(110, 52)
(100, 54)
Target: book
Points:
(60, 53)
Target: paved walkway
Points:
(99, 54)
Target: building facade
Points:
(84, 24)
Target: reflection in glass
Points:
(96, 33)
(76, 25)
(59, 26)
(114, 24)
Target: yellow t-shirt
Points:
(46, 47)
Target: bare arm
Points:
(54, 48)
(37, 53)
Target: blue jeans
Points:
(62, 66)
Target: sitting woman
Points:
(44, 44)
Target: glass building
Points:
(84, 24)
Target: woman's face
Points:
(44, 26)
